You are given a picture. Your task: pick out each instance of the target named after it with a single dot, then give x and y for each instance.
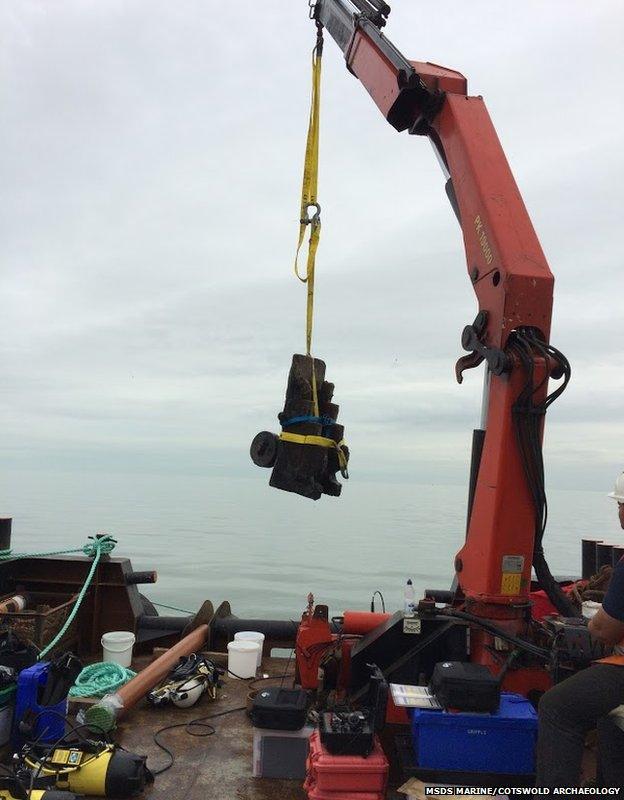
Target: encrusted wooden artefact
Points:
(306, 468)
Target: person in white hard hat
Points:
(608, 623)
(585, 701)
(618, 494)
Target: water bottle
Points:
(409, 599)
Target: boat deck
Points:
(218, 766)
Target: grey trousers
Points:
(567, 712)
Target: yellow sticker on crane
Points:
(511, 583)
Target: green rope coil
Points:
(99, 545)
(96, 680)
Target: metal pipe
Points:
(278, 630)
(604, 556)
(588, 557)
(147, 576)
(440, 595)
(274, 630)
(282, 630)
(153, 622)
(5, 533)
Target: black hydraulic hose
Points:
(527, 423)
(547, 581)
(495, 630)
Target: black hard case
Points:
(280, 709)
(465, 687)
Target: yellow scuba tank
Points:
(107, 773)
(40, 794)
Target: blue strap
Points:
(324, 421)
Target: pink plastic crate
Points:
(350, 774)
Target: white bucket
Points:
(242, 658)
(590, 608)
(251, 636)
(117, 647)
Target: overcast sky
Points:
(150, 165)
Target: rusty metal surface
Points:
(216, 767)
(110, 604)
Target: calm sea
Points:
(264, 550)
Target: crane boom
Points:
(514, 289)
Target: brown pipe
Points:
(154, 673)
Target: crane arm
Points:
(505, 261)
(510, 277)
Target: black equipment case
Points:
(352, 733)
(280, 709)
(465, 687)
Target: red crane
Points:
(514, 288)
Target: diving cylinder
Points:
(111, 773)
(41, 794)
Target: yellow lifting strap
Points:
(309, 201)
(320, 441)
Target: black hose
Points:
(501, 633)
(526, 344)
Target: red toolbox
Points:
(316, 794)
(360, 778)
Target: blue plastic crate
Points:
(469, 742)
(50, 720)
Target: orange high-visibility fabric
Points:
(619, 660)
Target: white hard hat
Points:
(618, 491)
(188, 693)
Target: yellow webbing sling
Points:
(309, 201)
(320, 441)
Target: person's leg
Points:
(567, 712)
(610, 754)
